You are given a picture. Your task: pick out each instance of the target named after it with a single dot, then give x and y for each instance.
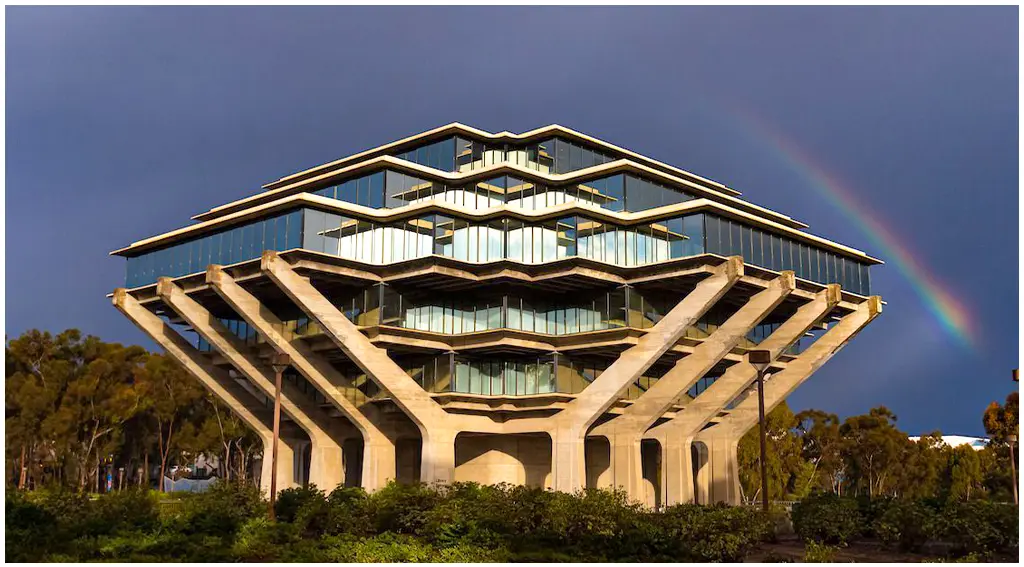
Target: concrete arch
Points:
(489, 458)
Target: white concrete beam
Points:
(326, 466)
(677, 434)
(571, 425)
(624, 432)
(241, 402)
(378, 444)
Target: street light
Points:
(280, 363)
(1011, 439)
(760, 359)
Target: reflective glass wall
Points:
(554, 155)
(728, 237)
(448, 314)
(391, 189)
(499, 239)
(228, 246)
(502, 239)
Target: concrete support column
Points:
(378, 447)
(325, 464)
(438, 456)
(249, 409)
(568, 459)
(676, 470)
(723, 438)
(627, 429)
(723, 482)
(287, 451)
(572, 423)
(626, 465)
(435, 424)
(678, 433)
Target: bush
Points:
(461, 522)
(307, 508)
(27, 528)
(980, 527)
(827, 518)
(130, 510)
(262, 540)
(348, 513)
(819, 553)
(220, 511)
(402, 508)
(716, 533)
(908, 524)
(392, 548)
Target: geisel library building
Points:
(541, 308)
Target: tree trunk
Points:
(145, 470)
(165, 451)
(23, 471)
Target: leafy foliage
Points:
(828, 518)
(462, 522)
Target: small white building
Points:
(976, 443)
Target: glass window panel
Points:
(294, 237)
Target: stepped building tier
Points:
(541, 308)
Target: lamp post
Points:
(760, 359)
(1011, 439)
(280, 362)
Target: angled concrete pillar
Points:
(677, 434)
(625, 431)
(378, 446)
(326, 468)
(250, 410)
(726, 434)
(571, 425)
(436, 426)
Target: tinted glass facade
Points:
(758, 247)
(500, 239)
(392, 189)
(453, 315)
(228, 246)
(458, 154)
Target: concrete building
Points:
(541, 308)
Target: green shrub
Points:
(908, 524)
(220, 511)
(980, 527)
(827, 518)
(402, 508)
(260, 539)
(392, 548)
(709, 533)
(348, 512)
(815, 552)
(28, 528)
(132, 510)
(307, 508)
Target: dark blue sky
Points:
(124, 122)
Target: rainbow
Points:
(951, 313)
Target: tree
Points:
(1001, 421)
(784, 463)
(924, 464)
(170, 394)
(872, 449)
(68, 397)
(965, 475)
(822, 446)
